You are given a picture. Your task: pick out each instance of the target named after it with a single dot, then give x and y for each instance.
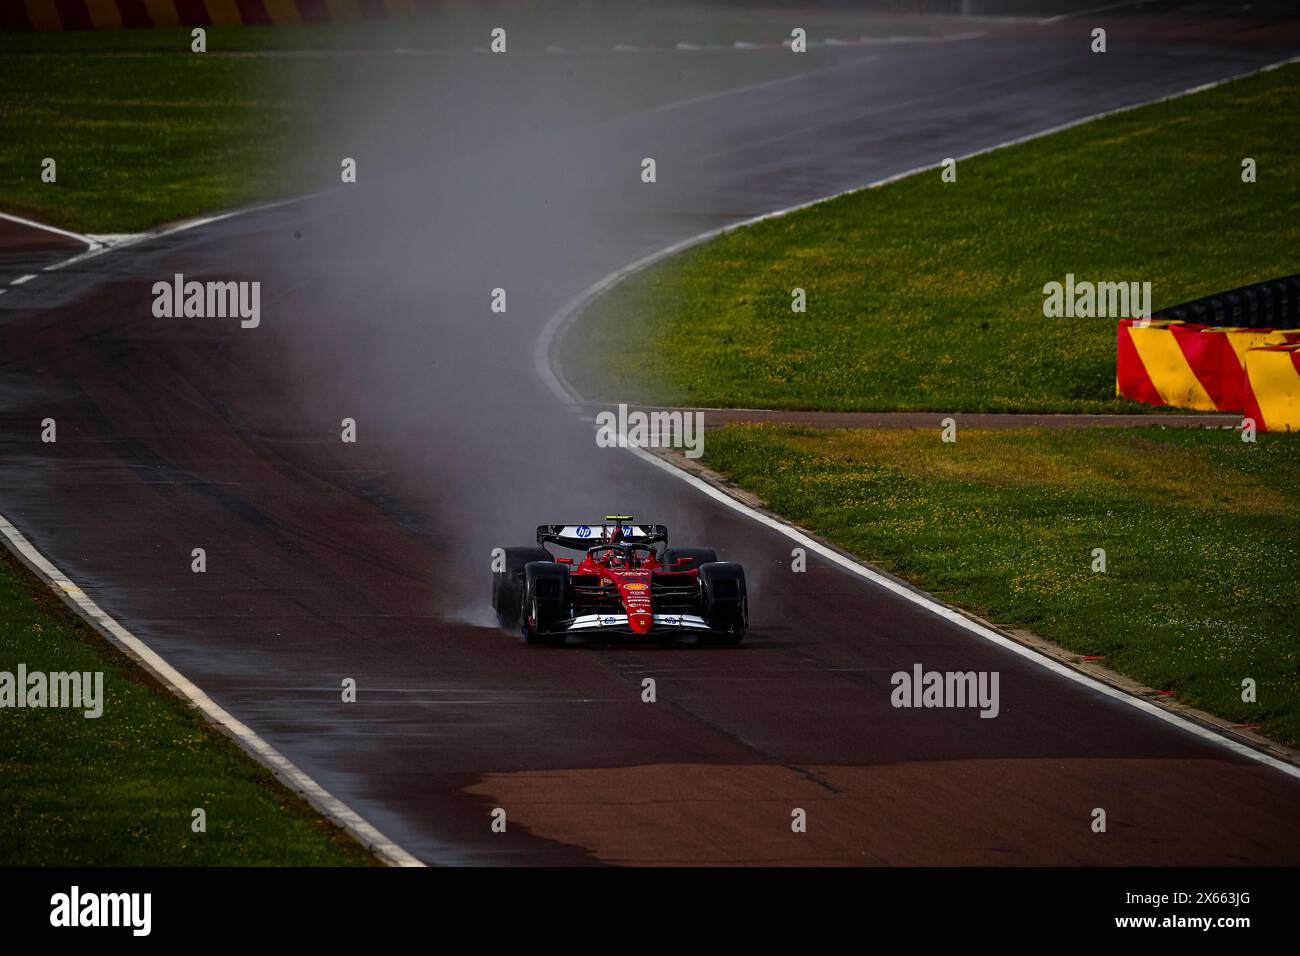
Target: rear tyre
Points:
(508, 584)
(546, 602)
(724, 604)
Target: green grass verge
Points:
(145, 132)
(119, 789)
(1199, 530)
(142, 133)
(928, 296)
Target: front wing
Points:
(617, 624)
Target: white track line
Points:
(956, 617)
(1084, 13)
(93, 245)
(543, 355)
(285, 771)
(751, 87)
(99, 245)
(328, 805)
(548, 338)
(33, 224)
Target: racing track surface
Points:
(328, 560)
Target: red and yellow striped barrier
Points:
(98, 14)
(1188, 366)
(1272, 388)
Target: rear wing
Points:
(580, 537)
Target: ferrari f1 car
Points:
(627, 582)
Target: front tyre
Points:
(546, 602)
(724, 603)
(508, 585)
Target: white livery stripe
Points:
(595, 532)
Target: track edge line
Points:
(548, 341)
(1040, 650)
(284, 770)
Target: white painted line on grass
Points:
(285, 771)
(543, 361)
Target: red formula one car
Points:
(622, 585)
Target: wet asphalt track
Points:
(371, 560)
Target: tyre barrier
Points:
(1272, 387)
(1187, 365)
(108, 14)
(1274, 304)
